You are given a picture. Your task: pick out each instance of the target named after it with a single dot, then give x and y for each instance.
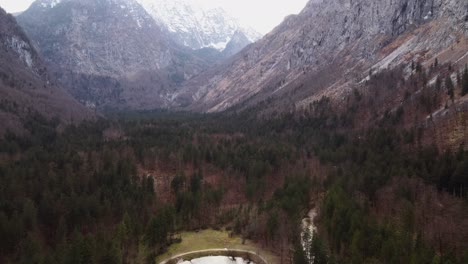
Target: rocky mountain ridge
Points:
(26, 87)
(197, 27)
(238, 42)
(113, 54)
(109, 53)
(329, 48)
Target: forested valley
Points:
(120, 189)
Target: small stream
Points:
(217, 260)
(308, 229)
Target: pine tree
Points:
(157, 231)
(318, 250)
(272, 226)
(438, 83)
(299, 257)
(450, 87)
(465, 82)
(30, 250)
(85, 246)
(418, 67)
(29, 215)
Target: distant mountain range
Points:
(109, 53)
(141, 54)
(114, 54)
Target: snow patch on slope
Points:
(50, 3)
(220, 45)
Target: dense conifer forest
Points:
(120, 189)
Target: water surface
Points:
(217, 260)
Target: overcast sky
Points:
(13, 6)
(262, 15)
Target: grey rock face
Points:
(14, 42)
(194, 26)
(94, 46)
(238, 41)
(26, 87)
(344, 36)
(96, 37)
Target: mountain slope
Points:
(329, 48)
(197, 27)
(26, 89)
(108, 52)
(238, 41)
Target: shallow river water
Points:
(217, 260)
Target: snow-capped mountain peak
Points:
(195, 26)
(47, 4)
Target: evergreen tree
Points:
(178, 183)
(318, 250)
(272, 226)
(438, 83)
(30, 253)
(299, 257)
(157, 231)
(450, 87)
(419, 67)
(85, 246)
(111, 253)
(29, 215)
(465, 82)
(195, 183)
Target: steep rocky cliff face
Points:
(16, 45)
(26, 88)
(101, 49)
(329, 48)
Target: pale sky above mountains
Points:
(262, 15)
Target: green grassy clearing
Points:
(213, 239)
